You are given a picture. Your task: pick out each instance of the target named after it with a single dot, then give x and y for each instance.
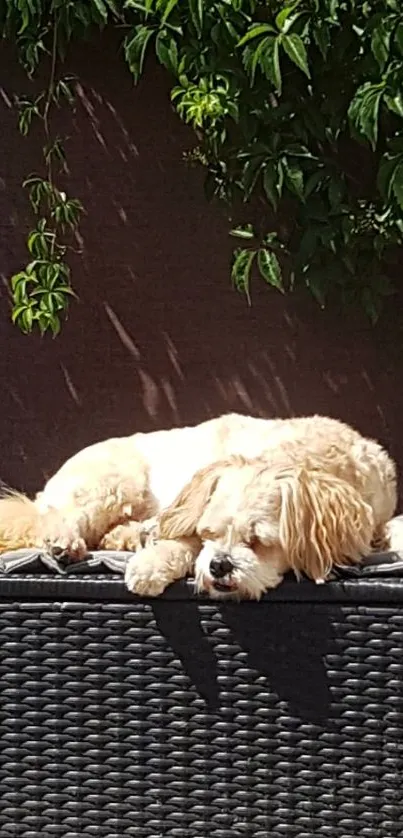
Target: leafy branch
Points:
(42, 290)
(297, 111)
(283, 97)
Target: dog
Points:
(319, 496)
(101, 493)
(108, 494)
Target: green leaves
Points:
(135, 49)
(273, 178)
(255, 32)
(196, 12)
(293, 45)
(269, 60)
(167, 51)
(363, 112)
(398, 38)
(297, 109)
(206, 104)
(41, 291)
(380, 43)
(28, 109)
(266, 53)
(267, 263)
(269, 268)
(390, 176)
(40, 295)
(294, 177)
(240, 272)
(101, 8)
(244, 232)
(167, 6)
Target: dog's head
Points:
(257, 523)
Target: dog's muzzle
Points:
(220, 569)
(221, 566)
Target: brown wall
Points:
(159, 337)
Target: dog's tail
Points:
(20, 522)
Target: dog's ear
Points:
(324, 521)
(180, 519)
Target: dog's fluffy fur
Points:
(277, 494)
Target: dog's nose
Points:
(220, 566)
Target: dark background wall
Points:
(159, 337)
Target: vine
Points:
(41, 291)
(297, 108)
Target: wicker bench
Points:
(183, 718)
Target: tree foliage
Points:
(297, 108)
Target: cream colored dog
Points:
(269, 494)
(319, 495)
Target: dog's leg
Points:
(132, 536)
(155, 567)
(61, 535)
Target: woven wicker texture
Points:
(187, 720)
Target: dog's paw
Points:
(144, 575)
(123, 537)
(64, 545)
(132, 536)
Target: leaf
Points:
(380, 44)
(114, 7)
(363, 112)
(307, 246)
(294, 46)
(321, 36)
(55, 325)
(241, 268)
(399, 37)
(387, 172)
(27, 318)
(17, 311)
(298, 150)
(250, 174)
(397, 185)
(244, 232)
(196, 13)
(167, 51)
(294, 177)
(251, 58)
(270, 269)
(317, 286)
(284, 14)
(101, 9)
(32, 240)
(273, 182)
(395, 103)
(255, 31)
(270, 62)
(21, 276)
(135, 50)
(168, 9)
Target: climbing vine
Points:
(297, 109)
(41, 290)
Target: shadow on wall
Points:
(159, 336)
